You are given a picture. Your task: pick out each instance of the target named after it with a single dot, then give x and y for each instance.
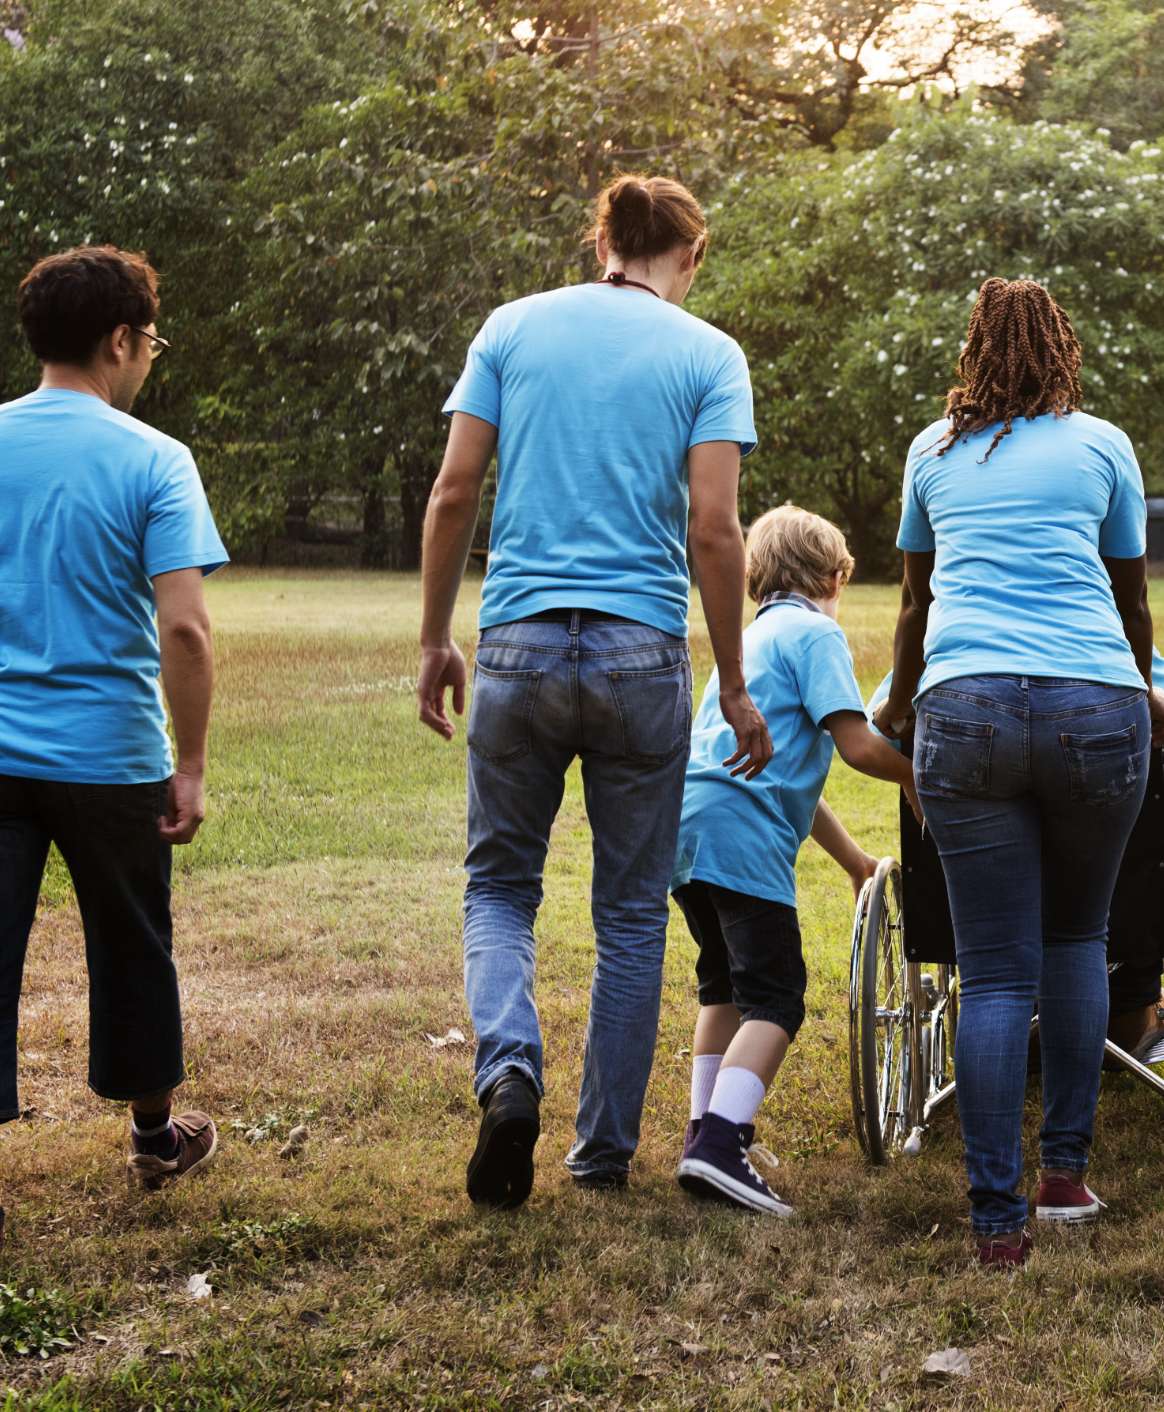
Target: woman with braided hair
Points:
(1025, 646)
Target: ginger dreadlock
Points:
(1021, 359)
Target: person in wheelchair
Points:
(1024, 645)
(734, 876)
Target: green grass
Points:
(318, 940)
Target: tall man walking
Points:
(103, 523)
(611, 410)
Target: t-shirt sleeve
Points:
(824, 674)
(1124, 531)
(180, 532)
(915, 533)
(725, 408)
(478, 389)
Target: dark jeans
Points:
(749, 953)
(618, 694)
(108, 837)
(1030, 788)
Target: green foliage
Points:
(35, 1323)
(1104, 66)
(850, 282)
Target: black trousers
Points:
(108, 837)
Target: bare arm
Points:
(449, 523)
(837, 842)
(188, 681)
(1129, 586)
(908, 642)
(859, 747)
(717, 551)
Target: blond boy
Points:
(734, 872)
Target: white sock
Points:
(737, 1095)
(704, 1068)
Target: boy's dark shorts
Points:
(749, 953)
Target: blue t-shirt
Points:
(598, 393)
(1019, 585)
(93, 504)
(745, 834)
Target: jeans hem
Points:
(986, 1230)
(1078, 1168)
(485, 1080)
(593, 1169)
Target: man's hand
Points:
(441, 667)
(185, 807)
(1156, 709)
(753, 743)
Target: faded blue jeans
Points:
(1030, 787)
(618, 694)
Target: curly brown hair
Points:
(1021, 359)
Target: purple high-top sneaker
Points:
(716, 1164)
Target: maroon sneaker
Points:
(1065, 1199)
(997, 1253)
(197, 1144)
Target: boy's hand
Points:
(862, 872)
(753, 743)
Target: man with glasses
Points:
(105, 535)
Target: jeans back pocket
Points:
(1104, 768)
(501, 712)
(654, 708)
(953, 756)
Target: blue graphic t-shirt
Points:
(598, 393)
(1019, 584)
(745, 834)
(93, 504)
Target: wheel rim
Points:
(886, 1049)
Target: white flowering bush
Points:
(850, 282)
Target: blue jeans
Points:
(618, 694)
(1030, 787)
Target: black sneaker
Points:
(689, 1137)
(500, 1172)
(717, 1165)
(603, 1180)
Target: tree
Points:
(1103, 64)
(849, 282)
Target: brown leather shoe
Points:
(197, 1144)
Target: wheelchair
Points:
(903, 981)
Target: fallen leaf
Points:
(312, 1317)
(198, 1287)
(539, 1371)
(296, 1141)
(454, 1036)
(934, 1229)
(693, 1350)
(167, 1353)
(256, 1134)
(949, 1363)
(99, 1338)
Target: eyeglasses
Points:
(158, 345)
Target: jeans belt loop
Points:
(575, 621)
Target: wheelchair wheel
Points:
(882, 1044)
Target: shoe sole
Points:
(1066, 1215)
(501, 1170)
(702, 1179)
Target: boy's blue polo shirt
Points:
(93, 504)
(745, 834)
(1019, 584)
(598, 394)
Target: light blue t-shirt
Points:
(598, 393)
(745, 834)
(1019, 585)
(93, 504)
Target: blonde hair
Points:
(794, 551)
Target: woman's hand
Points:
(889, 722)
(1156, 710)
